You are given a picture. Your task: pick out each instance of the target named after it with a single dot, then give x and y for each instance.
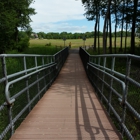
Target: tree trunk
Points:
(95, 32)
(133, 27)
(110, 30)
(116, 19)
(99, 34)
(16, 35)
(107, 32)
(126, 34)
(104, 34)
(115, 37)
(122, 27)
(126, 38)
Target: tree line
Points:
(15, 15)
(124, 13)
(66, 35)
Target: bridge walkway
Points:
(69, 110)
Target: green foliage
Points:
(125, 15)
(42, 35)
(48, 44)
(128, 51)
(23, 44)
(118, 34)
(14, 14)
(6, 25)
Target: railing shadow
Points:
(83, 94)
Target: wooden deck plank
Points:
(69, 110)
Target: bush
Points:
(23, 44)
(48, 44)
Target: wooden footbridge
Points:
(70, 95)
(69, 110)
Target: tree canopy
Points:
(14, 15)
(124, 13)
(57, 35)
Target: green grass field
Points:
(74, 42)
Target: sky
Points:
(60, 16)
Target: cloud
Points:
(71, 28)
(58, 27)
(54, 16)
(57, 10)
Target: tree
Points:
(92, 8)
(134, 26)
(126, 12)
(14, 14)
(6, 26)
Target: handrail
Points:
(7, 93)
(117, 74)
(23, 55)
(102, 75)
(120, 81)
(23, 72)
(23, 87)
(116, 55)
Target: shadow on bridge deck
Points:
(69, 110)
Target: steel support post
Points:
(111, 83)
(104, 65)
(27, 83)
(128, 67)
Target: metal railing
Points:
(23, 81)
(116, 79)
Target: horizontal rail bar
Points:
(23, 55)
(7, 93)
(131, 68)
(116, 55)
(135, 113)
(121, 82)
(114, 91)
(23, 72)
(44, 70)
(109, 70)
(59, 51)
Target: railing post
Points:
(27, 83)
(51, 59)
(38, 88)
(9, 107)
(44, 73)
(61, 58)
(99, 61)
(11, 119)
(111, 83)
(95, 60)
(54, 58)
(124, 98)
(36, 62)
(58, 61)
(104, 65)
(42, 60)
(47, 59)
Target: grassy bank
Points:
(39, 48)
(49, 50)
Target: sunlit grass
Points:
(77, 42)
